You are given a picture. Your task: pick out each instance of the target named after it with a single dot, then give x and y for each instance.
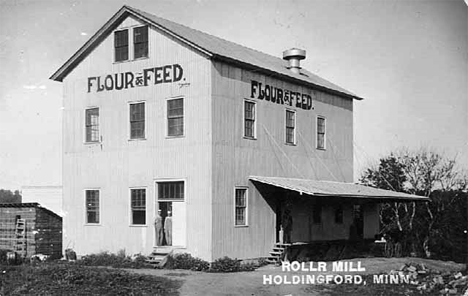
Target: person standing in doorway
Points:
(287, 224)
(168, 228)
(158, 227)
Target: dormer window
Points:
(121, 45)
(140, 42)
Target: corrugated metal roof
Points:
(215, 47)
(226, 49)
(339, 189)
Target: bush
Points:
(262, 262)
(119, 260)
(227, 264)
(186, 261)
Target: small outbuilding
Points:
(29, 229)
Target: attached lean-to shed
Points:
(29, 229)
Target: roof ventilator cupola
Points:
(294, 56)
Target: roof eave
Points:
(378, 197)
(283, 76)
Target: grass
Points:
(56, 278)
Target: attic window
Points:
(121, 45)
(140, 42)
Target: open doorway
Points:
(170, 221)
(358, 221)
(163, 224)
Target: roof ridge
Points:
(205, 33)
(213, 47)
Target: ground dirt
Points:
(251, 283)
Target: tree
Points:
(7, 196)
(427, 173)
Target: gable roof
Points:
(213, 47)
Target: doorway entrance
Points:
(170, 216)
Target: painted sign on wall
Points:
(119, 81)
(280, 96)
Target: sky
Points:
(407, 59)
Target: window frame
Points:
(134, 43)
(86, 207)
(183, 117)
(86, 126)
(244, 120)
(286, 127)
(115, 45)
(160, 181)
(324, 133)
(131, 224)
(129, 118)
(246, 212)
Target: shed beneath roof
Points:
(40, 231)
(337, 189)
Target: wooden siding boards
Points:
(43, 229)
(212, 157)
(117, 164)
(236, 158)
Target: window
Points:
(175, 117)
(137, 121)
(92, 206)
(171, 191)
(320, 133)
(249, 119)
(241, 207)
(140, 42)
(290, 126)
(92, 125)
(339, 215)
(317, 213)
(138, 203)
(121, 45)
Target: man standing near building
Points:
(168, 228)
(158, 227)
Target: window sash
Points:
(175, 117)
(92, 125)
(241, 207)
(249, 119)
(171, 191)
(137, 120)
(321, 133)
(290, 126)
(92, 206)
(321, 125)
(121, 45)
(140, 42)
(138, 206)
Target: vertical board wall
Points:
(236, 158)
(117, 164)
